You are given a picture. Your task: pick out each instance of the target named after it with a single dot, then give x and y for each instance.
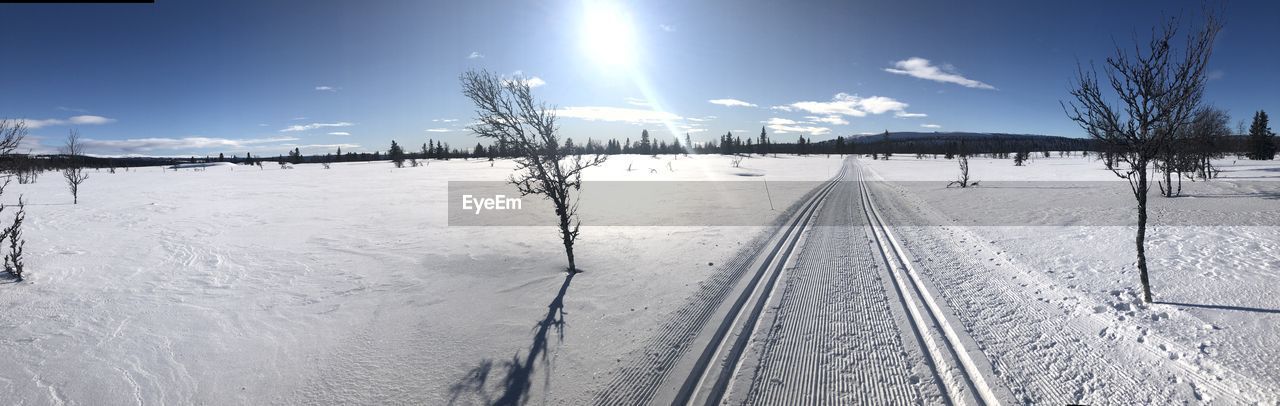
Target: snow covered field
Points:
(235, 285)
(1061, 228)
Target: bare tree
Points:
(963, 181)
(74, 173)
(507, 112)
(11, 135)
(1158, 90)
(1208, 132)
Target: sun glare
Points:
(607, 36)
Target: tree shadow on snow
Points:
(518, 375)
(1221, 307)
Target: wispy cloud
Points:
(438, 130)
(731, 103)
(443, 120)
(475, 55)
(339, 133)
(833, 120)
(784, 129)
(143, 145)
(903, 114)
(72, 109)
(313, 126)
(327, 88)
(75, 120)
(635, 101)
(782, 108)
(923, 69)
(848, 105)
(667, 27)
(622, 114)
(1216, 74)
(785, 125)
(930, 126)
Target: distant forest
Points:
(903, 143)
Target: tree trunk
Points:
(566, 234)
(1141, 194)
(1168, 180)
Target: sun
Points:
(607, 35)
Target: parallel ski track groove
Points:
(835, 339)
(638, 383)
(772, 269)
(925, 314)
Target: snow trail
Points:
(650, 376)
(835, 338)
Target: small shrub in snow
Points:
(1020, 158)
(13, 262)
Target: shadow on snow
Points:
(1221, 307)
(518, 374)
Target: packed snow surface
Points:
(246, 285)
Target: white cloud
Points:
(532, 81)
(903, 114)
(782, 108)
(339, 133)
(921, 68)
(834, 120)
(667, 27)
(731, 103)
(73, 109)
(142, 145)
(327, 88)
(91, 120)
(443, 120)
(785, 125)
(475, 55)
(634, 101)
(629, 115)
(849, 105)
(327, 146)
(76, 120)
(784, 129)
(313, 126)
(930, 126)
(437, 130)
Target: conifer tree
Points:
(1262, 142)
(396, 154)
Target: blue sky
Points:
(203, 77)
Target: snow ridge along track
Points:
(709, 380)
(946, 351)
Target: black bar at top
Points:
(78, 1)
